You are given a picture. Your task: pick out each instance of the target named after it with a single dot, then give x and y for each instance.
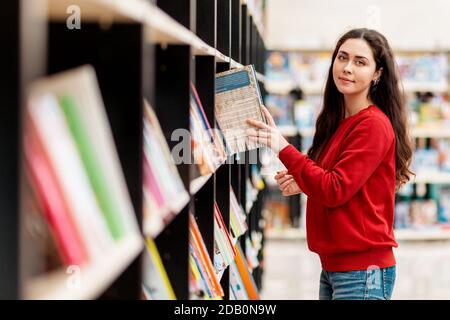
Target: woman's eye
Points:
(360, 63)
(341, 58)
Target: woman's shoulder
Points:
(376, 120)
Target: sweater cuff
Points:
(289, 155)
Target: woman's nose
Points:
(348, 67)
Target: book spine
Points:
(156, 258)
(255, 79)
(46, 188)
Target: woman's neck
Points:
(355, 103)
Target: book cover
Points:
(52, 131)
(238, 98)
(81, 85)
(197, 241)
(95, 172)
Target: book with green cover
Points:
(104, 195)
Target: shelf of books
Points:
(429, 234)
(129, 174)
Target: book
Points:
(237, 288)
(53, 133)
(164, 192)
(244, 273)
(92, 162)
(156, 283)
(224, 251)
(238, 98)
(207, 145)
(42, 181)
(69, 119)
(43, 252)
(238, 218)
(202, 260)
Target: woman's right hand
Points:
(287, 184)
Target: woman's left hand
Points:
(267, 134)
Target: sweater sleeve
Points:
(362, 152)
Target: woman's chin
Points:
(346, 91)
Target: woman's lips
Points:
(346, 80)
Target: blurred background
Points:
(300, 36)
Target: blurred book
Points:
(202, 268)
(224, 251)
(155, 283)
(238, 218)
(237, 288)
(164, 192)
(73, 168)
(245, 274)
(208, 147)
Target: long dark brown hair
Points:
(386, 95)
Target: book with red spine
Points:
(42, 178)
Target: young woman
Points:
(359, 156)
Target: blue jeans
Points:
(370, 284)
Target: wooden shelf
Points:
(307, 132)
(421, 235)
(438, 131)
(234, 64)
(283, 87)
(161, 28)
(256, 21)
(180, 203)
(417, 132)
(95, 277)
(99, 10)
(279, 87)
(425, 86)
(432, 177)
(400, 234)
(286, 234)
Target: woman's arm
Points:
(363, 150)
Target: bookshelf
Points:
(400, 234)
(139, 49)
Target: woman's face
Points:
(354, 67)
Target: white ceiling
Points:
(420, 25)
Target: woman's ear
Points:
(377, 74)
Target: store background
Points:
(300, 36)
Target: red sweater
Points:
(350, 208)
